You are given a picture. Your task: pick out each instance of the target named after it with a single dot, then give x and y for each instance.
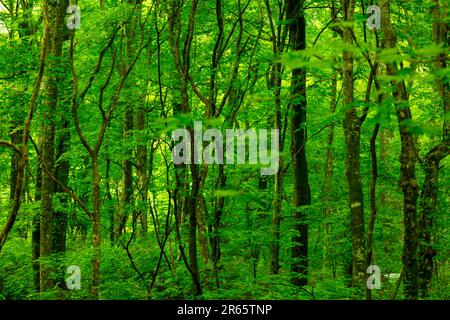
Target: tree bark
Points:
(59, 226)
(55, 13)
(96, 228)
(302, 192)
(36, 232)
(16, 139)
(408, 160)
(352, 133)
(141, 170)
(127, 199)
(274, 84)
(426, 250)
(328, 180)
(185, 199)
(373, 204)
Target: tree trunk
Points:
(408, 159)
(274, 84)
(109, 197)
(36, 232)
(96, 229)
(278, 183)
(127, 201)
(55, 13)
(328, 180)
(202, 235)
(352, 133)
(429, 195)
(141, 168)
(302, 192)
(218, 212)
(62, 174)
(185, 200)
(59, 227)
(16, 139)
(373, 205)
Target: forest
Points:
(224, 149)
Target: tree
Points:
(87, 137)
(54, 12)
(302, 192)
(433, 158)
(352, 132)
(408, 160)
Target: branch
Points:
(333, 19)
(10, 145)
(75, 96)
(13, 75)
(98, 65)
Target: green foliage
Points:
(239, 92)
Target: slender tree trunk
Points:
(302, 192)
(25, 33)
(278, 33)
(192, 205)
(127, 174)
(202, 235)
(127, 200)
(96, 228)
(141, 169)
(218, 212)
(127, 170)
(328, 180)
(352, 133)
(202, 213)
(374, 177)
(59, 226)
(187, 203)
(426, 250)
(16, 139)
(36, 232)
(373, 205)
(278, 183)
(109, 198)
(408, 159)
(62, 174)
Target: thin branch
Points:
(10, 145)
(13, 75)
